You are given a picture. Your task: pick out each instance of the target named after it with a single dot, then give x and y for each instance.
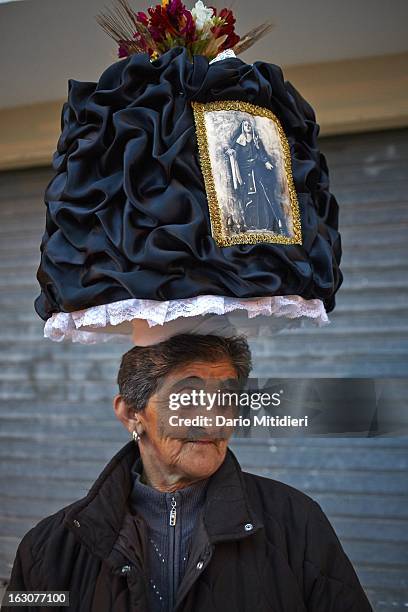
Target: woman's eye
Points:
(187, 391)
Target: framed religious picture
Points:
(246, 163)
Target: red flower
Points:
(189, 31)
(175, 8)
(173, 19)
(123, 49)
(181, 20)
(170, 23)
(142, 18)
(226, 28)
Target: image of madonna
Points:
(256, 184)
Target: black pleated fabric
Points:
(126, 211)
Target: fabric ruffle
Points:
(87, 326)
(127, 216)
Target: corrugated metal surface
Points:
(58, 430)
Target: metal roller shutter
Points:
(58, 430)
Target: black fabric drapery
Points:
(127, 214)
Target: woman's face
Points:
(185, 452)
(247, 127)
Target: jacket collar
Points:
(97, 518)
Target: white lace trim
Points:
(223, 55)
(62, 325)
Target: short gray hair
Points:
(143, 367)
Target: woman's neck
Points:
(165, 481)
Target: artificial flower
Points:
(224, 25)
(201, 14)
(171, 24)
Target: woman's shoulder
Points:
(44, 533)
(278, 499)
(35, 565)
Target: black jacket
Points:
(261, 546)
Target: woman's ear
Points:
(123, 413)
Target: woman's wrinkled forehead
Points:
(200, 373)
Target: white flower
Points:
(201, 14)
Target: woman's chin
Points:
(201, 459)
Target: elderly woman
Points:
(173, 523)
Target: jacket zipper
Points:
(172, 573)
(173, 512)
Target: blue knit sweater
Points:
(171, 518)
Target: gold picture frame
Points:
(222, 186)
